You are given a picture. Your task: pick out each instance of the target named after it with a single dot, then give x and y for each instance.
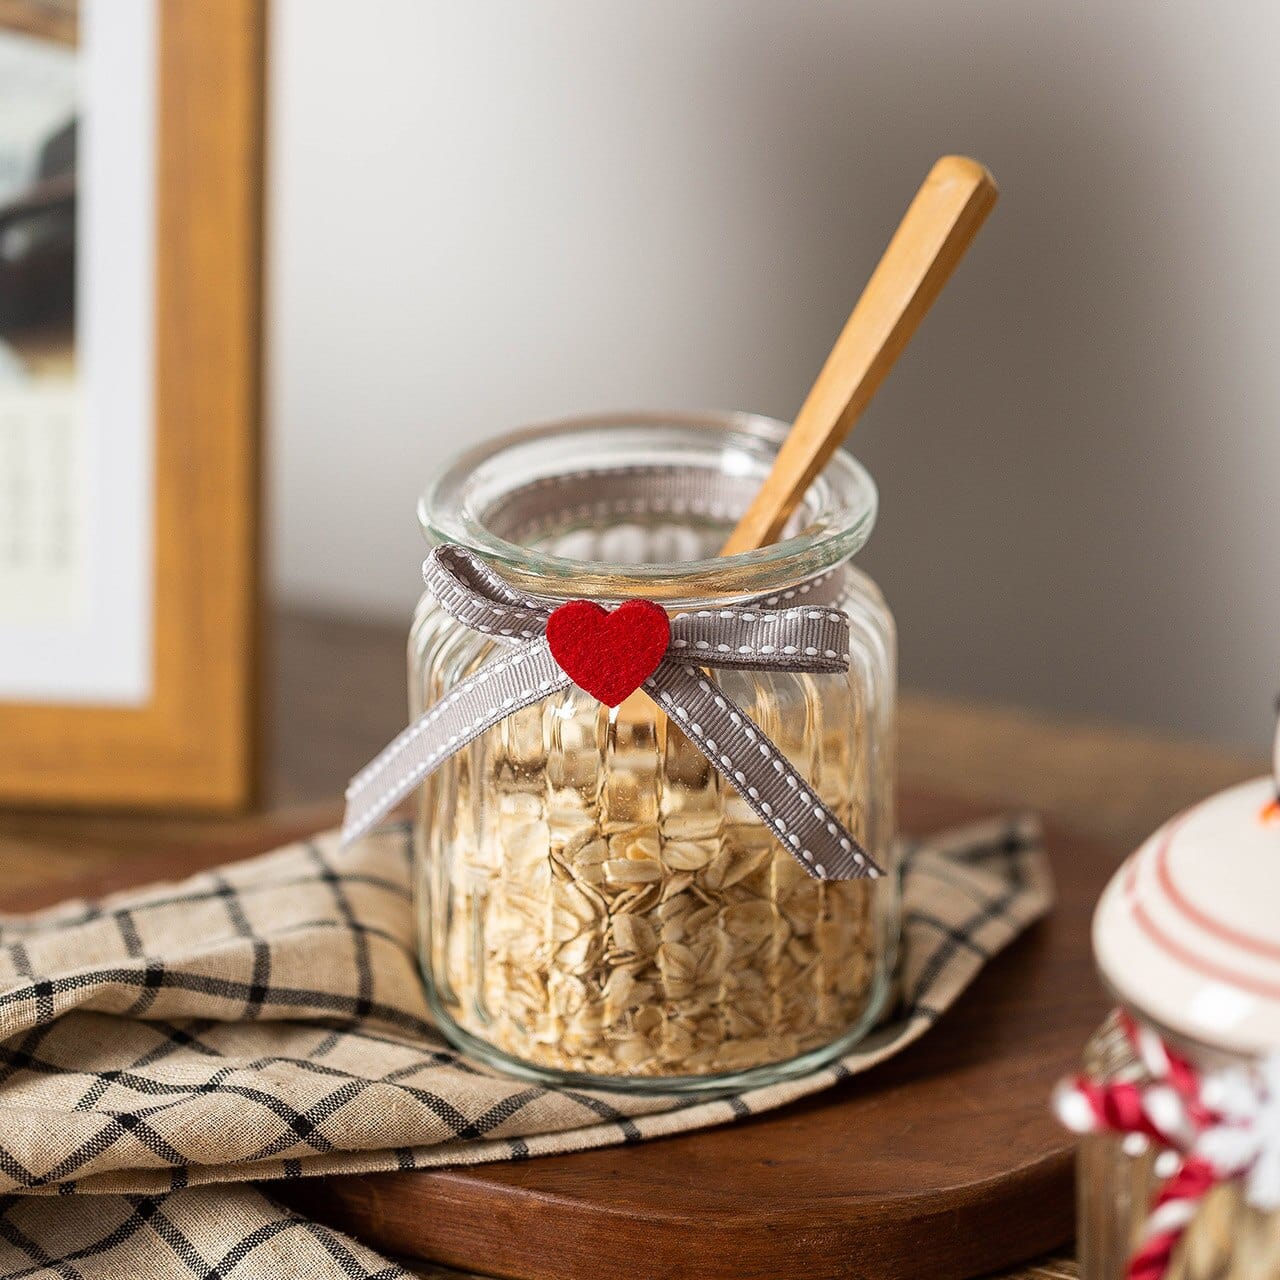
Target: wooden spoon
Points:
(931, 239)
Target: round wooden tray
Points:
(941, 1163)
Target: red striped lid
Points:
(1188, 930)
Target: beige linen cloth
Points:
(267, 1021)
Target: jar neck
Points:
(1201, 1054)
(639, 505)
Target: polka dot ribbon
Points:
(1209, 1128)
(767, 635)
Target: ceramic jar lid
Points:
(1188, 931)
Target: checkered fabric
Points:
(267, 1021)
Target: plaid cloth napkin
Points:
(267, 1021)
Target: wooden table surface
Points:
(337, 694)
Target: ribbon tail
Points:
(754, 766)
(516, 679)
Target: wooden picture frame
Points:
(193, 742)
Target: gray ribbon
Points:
(754, 636)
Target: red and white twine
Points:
(1211, 1127)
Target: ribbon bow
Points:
(1212, 1128)
(670, 669)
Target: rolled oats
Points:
(609, 906)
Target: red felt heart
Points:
(609, 654)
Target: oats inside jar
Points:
(604, 903)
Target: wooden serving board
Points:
(944, 1162)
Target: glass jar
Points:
(1118, 1178)
(596, 905)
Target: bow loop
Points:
(468, 590)
(813, 639)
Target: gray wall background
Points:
(490, 213)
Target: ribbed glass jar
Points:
(596, 904)
(1117, 1180)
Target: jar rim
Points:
(1204, 1053)
(836, 517)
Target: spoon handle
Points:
(938, 227)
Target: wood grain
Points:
(938, 227)
(194, 743)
